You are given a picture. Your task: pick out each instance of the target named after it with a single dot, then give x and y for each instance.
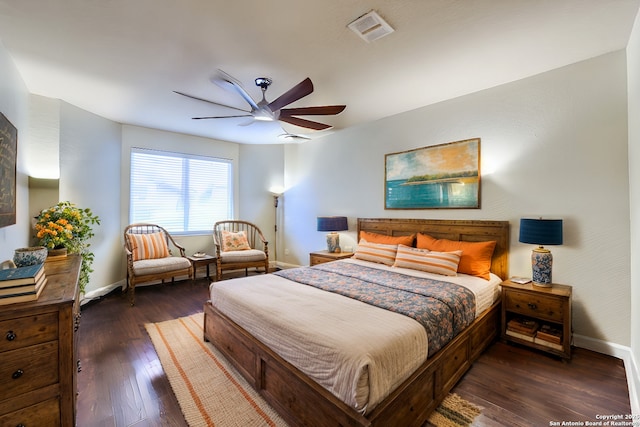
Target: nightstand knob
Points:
(17, 374)
(532, 306)
(11, 336)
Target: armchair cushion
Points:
(249, 255)
(144, 267)
(234, 241)
(148, 246)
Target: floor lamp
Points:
(276, 199)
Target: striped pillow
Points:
(148, 246)
(445, 263)
(376, 252)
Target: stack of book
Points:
(522, 328)
(549, 336)
(22, 284)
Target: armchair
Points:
(149, 257)
(239, 245)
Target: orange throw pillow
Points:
(476, 256)
(387, 240)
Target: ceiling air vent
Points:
(370, 27)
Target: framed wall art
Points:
(444, 176)
(8, 150)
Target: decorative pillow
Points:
(476, 256)
(445, 263)
(234, 241)
(387, 240)
(148, 246)
(376, 252)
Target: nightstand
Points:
(546, 310)
(320, 257)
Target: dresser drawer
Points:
(28, 369)
(25, 331)
(535, 305)
(43, 414)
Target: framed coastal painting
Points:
(444, 176)
(8, 150)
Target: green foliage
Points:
(66, 226)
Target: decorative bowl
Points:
(30, 256)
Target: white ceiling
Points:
(122, 59)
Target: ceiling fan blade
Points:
(305, 123)
(326, 110)
(227, 82)
(210, 102)
(221, 117)
(300, 90)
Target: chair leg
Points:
(132, 295)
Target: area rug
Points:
(211, 392)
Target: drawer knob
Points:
(11, 336)
(20, 425)
(532, 306)
(17, 374)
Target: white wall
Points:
(14, 100)
(261, 168)
(90, 178)
(633, 73)
(553, 145)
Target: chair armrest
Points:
(177, 246)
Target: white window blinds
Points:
(186, 194)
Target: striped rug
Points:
(211, 393)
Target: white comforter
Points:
(358, 352)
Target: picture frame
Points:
(444, 176)
(8, 151)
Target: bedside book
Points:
(520, 280)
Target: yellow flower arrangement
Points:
(66, 226)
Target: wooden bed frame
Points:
(302, 402)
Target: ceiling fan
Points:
(271, 111)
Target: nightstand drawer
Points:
(535, 305)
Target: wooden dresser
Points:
(38, 352)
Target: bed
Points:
(301, 400)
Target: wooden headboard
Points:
(470, 231)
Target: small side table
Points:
(320, 257)
(544, 305)
(205, 260)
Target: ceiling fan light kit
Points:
(274, 110)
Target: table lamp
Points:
(333, 224)
(541, 232)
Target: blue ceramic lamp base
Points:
(333, 242)
(541, 263)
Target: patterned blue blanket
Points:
(442, 308)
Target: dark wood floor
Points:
(122, 382)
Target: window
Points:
(186, 194)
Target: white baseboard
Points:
(100, 292)
(284, 265)
(620, 352)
